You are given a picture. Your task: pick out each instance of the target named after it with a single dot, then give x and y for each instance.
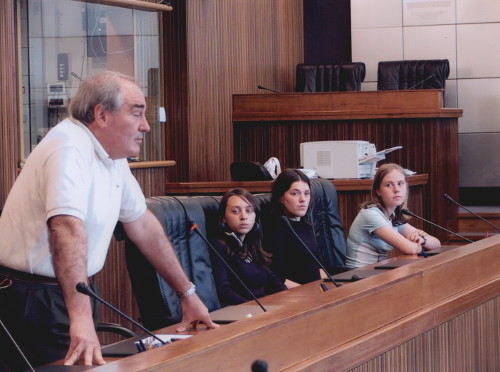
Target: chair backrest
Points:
(249, 171)
(413, 74)
(157, 302)
(329, 77)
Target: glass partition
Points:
(63, 42)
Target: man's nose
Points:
(144, 127)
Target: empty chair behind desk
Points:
(330, 77)
(413, 74)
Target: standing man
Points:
(59, 218)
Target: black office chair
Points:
(110, 333)
(413, 74)
(249, 171)
(115, 328)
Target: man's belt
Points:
(30, 278)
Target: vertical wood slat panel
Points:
(174, 78)
(464, 343)
(9, 99)
(234, 46)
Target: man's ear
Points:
(100, 115)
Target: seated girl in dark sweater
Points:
(289, 230)
(239, 242)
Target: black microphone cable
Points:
(408, 213)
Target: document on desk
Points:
(129, 347)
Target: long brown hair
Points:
(253, 239)
(377, 201)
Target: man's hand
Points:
(193, 312)
(84, 348)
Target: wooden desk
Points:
(351, 193)
(437, 314)
(268, 125)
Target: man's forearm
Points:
(68, 245)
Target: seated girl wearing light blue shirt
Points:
(380, 226)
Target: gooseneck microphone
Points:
(408, 213)
(77, 76)
(269, 89)
(84, 288)
(194, 227)
(420, 82)
(446, 196)
(310, 252)
(17, 346)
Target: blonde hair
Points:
(377, 201)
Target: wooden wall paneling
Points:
(174, 89)
(9, 98)
(233, 47)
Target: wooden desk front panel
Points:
(430, 145)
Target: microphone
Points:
(194, 227)
(269, 89)
(259, 365)
(408, 213)
(421, 82)
(446, 196)
(77, 76)
(310, 252)
(84, 288)
(19, 349)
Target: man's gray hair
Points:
(104, 88)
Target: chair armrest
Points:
(115, 328)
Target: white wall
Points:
(466, 32)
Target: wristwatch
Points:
(189, 292)
(424, 237)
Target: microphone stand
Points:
(269, 89)
(194, 227)
(84, 288)
(408, 213)
(421, 82)
(446, 196)
(310, 252)
(17, 346)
